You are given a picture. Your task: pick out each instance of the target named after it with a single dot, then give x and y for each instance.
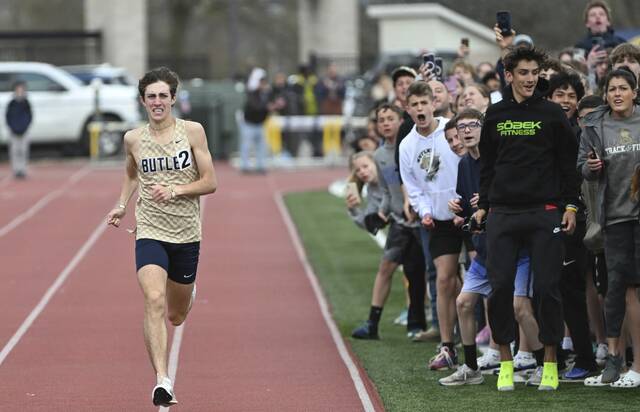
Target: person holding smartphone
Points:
(403, 240)
(600, 34)
(609, 155)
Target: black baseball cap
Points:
(403, 71)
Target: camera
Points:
(471, 225)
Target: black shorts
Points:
(447, 239)
(399, 239)
(179, 260)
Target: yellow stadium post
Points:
(94, 139)
(331, 137)
(274, 135)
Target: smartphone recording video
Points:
(439, 68)
(429, 59)
(503, 18)
(352, 190)
(597, 41)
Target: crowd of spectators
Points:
(549, 149)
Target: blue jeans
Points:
(431, 276)
(252, 134)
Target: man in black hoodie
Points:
(18, 119)
(529, 185)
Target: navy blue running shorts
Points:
(179, 260)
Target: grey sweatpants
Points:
(19, 153)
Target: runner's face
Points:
(157, 100)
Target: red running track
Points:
(255, 340)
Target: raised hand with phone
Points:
(503, 31)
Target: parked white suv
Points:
(62, 105)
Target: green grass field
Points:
(345, 260)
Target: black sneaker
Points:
(612, 369)
(366, 331)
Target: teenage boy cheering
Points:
(429, 170)
(403, 241)
(529, 186)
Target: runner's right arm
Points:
(129, 185)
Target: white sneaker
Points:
(464, 375)
(601, 353)
(535, 378)
(162, 394)
(489, 360)
(524, 361)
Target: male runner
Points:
(168, 161)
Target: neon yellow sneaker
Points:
(505, 378)
(549, 380)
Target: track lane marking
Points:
(367, 404)
(26, 324)
(176, 341)
(29, 213)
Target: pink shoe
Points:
(444, 359)
(484, 336)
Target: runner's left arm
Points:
(208, 182)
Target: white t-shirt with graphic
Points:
(429, 170)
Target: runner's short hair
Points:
(159, 74)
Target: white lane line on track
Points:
(29, 213)
(52, 290)
(176, 342)
(324, 307)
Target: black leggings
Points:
(507, 234)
